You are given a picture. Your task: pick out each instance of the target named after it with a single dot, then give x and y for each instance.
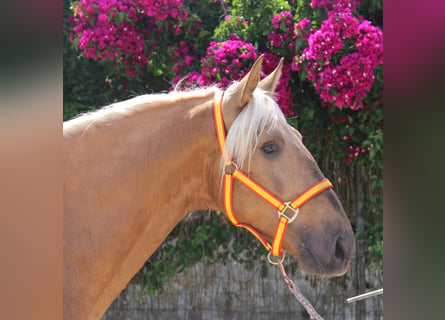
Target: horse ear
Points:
(269, 84)
(251, 80)
(241, 93)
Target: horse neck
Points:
(176, 156)
(163, 147)
(144, 173)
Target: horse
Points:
(135, 169)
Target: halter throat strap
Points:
(287, 211)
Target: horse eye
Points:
(269, 147)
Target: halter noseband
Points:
(287, 211)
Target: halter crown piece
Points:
(287, 211)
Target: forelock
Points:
(260, 114)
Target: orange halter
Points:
(287, 211)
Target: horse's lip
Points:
(309, 263)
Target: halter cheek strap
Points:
(287, 211)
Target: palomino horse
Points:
(135, 169)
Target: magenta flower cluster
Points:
(226, 61)
(111, 29)
(303, 28)
(283, 35)
(183, 55)
(223, 63)
(162, 9)
(335, 4)
(106, 30)
(341, 57)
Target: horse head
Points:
(267, 150)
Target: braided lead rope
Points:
(297, 293)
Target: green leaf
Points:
(158, 72)
(120, 16)
(203, 33)
(85, 13)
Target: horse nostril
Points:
(340, 249)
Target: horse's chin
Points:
(308, 263)
(328, 274)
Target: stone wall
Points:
(218, 291)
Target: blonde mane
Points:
(127, 108)
(261, 113)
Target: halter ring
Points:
(278, 258)
(288, 206)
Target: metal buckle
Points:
(287, 206)
(230, 168)
(278, 258)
